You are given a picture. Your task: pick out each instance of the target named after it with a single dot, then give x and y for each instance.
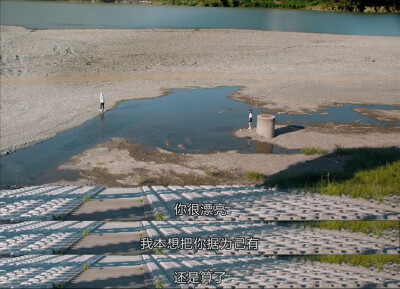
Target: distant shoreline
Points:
(381, 6)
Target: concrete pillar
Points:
(266, 125)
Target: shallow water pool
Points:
(184, 121)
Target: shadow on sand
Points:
(105, 244)
(109, 210)
(109, 277)
(288, 129)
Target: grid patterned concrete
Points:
(51, 237)
(273, 239)
(242, 203)
(37, 237)
(258, 204)
(263, 272)
(32, 271)
(42, 202)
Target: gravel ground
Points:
(50, 79)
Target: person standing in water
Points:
(101, 101)
(250, 118)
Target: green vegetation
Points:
(211, 172)
(254, 176)
(86, 199)
(366, 227)
(369, 173)
(158, 251)
(142, 180)
(100, 169)
(58, 286)
(159, 217)
(368, 261)
(313, 151)
(324, 5)
(339, 150)
(158, 284)
(59, 218)
(86, 233)
(86, 267)
(331, 5)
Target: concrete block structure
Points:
(266, 125)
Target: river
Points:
(51, 14)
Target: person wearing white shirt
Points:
(250, 118)
(101, 102)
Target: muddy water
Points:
(185, 121)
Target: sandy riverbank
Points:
(51, 78)
(122, 163)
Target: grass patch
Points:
(86, 267)
(158, 251)
(339, 150)
(368, 261)
(158, 284)
(86, 199)
(142, 180)
(59, 252)
(313, 151)
(368, 184)
(211, 173)
(101, 169)
(86, 233)
(254, 176)
(59, 218)
(58, 286)
(159, 217)
(369, 173)
(367, 227)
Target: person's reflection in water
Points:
(248, 141)
(102, 119)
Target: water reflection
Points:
(187, 120)
(264, 148)
(184, 121)
(102, 123)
